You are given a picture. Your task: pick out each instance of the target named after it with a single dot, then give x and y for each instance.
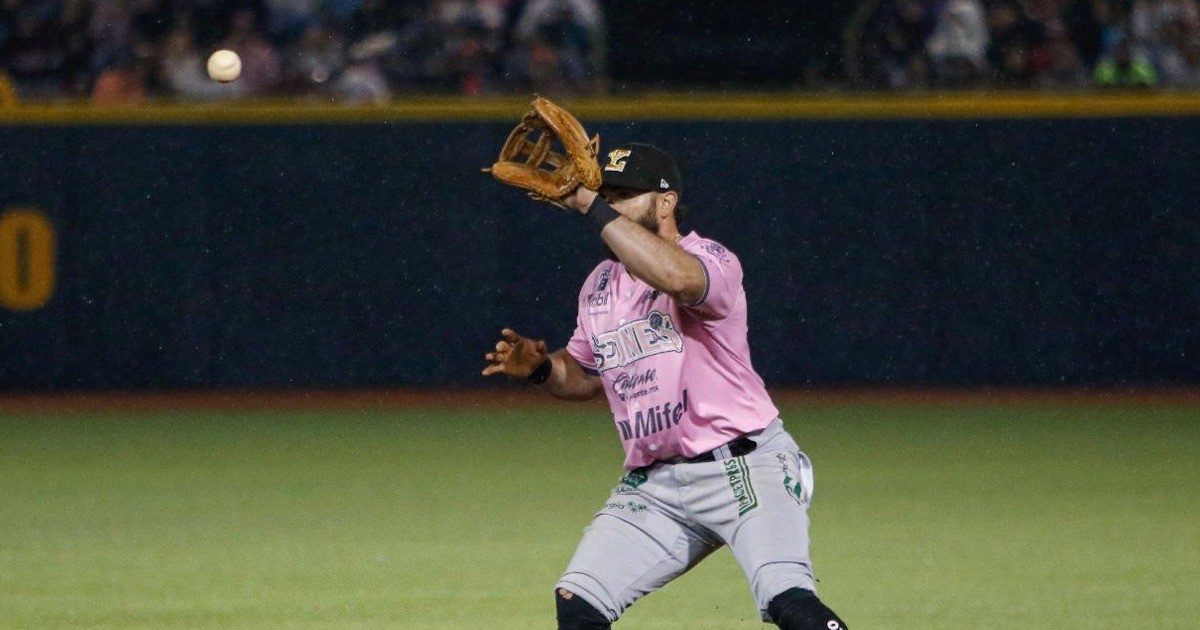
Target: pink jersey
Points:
(678, 378)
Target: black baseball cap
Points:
(641, 167)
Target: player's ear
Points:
(667, 202)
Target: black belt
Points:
(737, 447)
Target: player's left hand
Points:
(527, 160)
(580, 199)
(515, 355)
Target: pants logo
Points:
(632, 479)
(793, 486)
(739, 481)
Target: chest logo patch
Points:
(636, 340)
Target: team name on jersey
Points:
(636, 340)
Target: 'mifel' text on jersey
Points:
(654, 419)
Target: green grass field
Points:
(1021, 516)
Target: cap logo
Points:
(662, 183)
(616, 160)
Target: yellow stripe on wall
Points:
(641, 107)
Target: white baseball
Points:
(224, 66)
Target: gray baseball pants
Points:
(662, 520)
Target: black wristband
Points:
(600, 213)
(542, 372)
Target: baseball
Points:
(224, 66)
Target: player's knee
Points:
(799, 609)
(576, 614)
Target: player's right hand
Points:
(515, 355)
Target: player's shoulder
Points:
(698, 245)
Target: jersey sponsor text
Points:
(650, 421)
(629, 385)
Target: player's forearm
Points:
(660, 264)
(568, 381)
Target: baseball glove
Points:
(548, 175)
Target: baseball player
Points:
(661, 330)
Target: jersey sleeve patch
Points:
(722, 280)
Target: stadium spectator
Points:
(182, 70)
(1016, 51)
(111, 29)
(389, 42)
(261, 71)
(121, 82)
(1095, 26)
(958, 46)
(1124, 67)
(559, 45)
(1151, 21)
(473, 33)
(33, 51)
(364, 79)
(68, 38)
(316, 61)
(884, 47)
(1160, 30)
(1064, 65)
(1181, 66)
(363, 82)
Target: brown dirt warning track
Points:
(522, 396)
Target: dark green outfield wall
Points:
(375, 254)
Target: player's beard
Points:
(648, 220)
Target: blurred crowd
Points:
(914, 44)
(359, 51)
